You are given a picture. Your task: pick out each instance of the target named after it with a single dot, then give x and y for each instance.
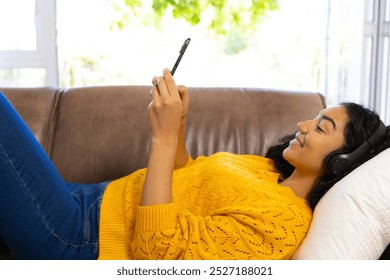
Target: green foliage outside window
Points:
(231, 20)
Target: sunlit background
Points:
(313, 45)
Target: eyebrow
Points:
(324, 117)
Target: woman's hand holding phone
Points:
(165, 111)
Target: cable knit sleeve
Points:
(228, 233)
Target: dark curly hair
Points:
(361, 125)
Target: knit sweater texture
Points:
(224, 206)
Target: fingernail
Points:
(154, 81)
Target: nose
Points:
(303, 126)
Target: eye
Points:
(318, 128)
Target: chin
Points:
(287, 151)
(288, 155)
(285, 154)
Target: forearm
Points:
(182, 156)
(158, 181)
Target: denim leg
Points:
(39, 216)
(4, 251)
(89, 198)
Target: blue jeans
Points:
(41, 216)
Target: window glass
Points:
(17, 25)
(286, 51)
(22, 77)
(306, 45)
(370, 10)
(367, 73)
(345, 47)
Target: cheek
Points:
(327, 148)
(304, 158)
(317, 153)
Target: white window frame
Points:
(45, 56)
(376, 57)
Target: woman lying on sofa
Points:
(224, 206)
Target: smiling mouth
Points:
(299, 141)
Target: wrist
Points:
(164, 142)
(164, 146)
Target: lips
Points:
(300, 141)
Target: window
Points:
(343, 51)
(28, 51)
(376, 76)
(339, 48)
(287, 50)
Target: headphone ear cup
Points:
(340, 161)
(337, 162)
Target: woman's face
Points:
(316, 139)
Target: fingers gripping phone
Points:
(182, 51)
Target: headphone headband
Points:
(339, 161)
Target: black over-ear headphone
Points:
(339, 161)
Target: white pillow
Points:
(352, 220)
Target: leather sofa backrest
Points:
(94, 134)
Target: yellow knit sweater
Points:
(224, 206)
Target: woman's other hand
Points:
(185, 101)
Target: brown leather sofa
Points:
(94, 134)
(99, 133)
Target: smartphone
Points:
(182, 51)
